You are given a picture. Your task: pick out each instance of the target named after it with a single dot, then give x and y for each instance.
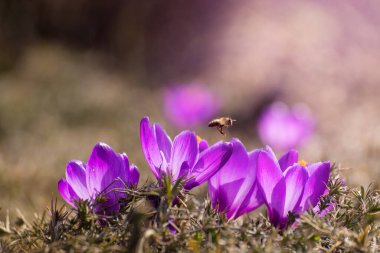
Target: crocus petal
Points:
(125, 172)
(185, 149)
(209, 162)
(272, 155)
(76, 178)
(296, 177)
(316, 185)
(253, 200)
(288, 159)
(230, 178)
(203, 145)
(163, 141)
(270, 152)
(134, 175)
(268, 175)
(213, 192)
(313, 167)
(103, 167)
(150, 147)
(184, 170)
(67, 193)
(246, 198)
(276, 206)
(222, 197)
(253, 156)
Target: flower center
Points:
(302, 163)
(199, 139)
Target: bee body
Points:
(221, 123)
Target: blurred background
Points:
(73, 73)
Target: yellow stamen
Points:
(302, 163)
(199, 139)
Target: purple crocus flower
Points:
(289, 185)
(188, 105)
(185, 157)
(284, 128)
(233, 189)
(104, 172)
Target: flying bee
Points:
(220, 123)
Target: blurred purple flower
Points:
(233, 189)
(288, 185)
(185, 157)
(104, 172)
(188, 105)
(284, 128)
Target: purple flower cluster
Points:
(239, 181)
